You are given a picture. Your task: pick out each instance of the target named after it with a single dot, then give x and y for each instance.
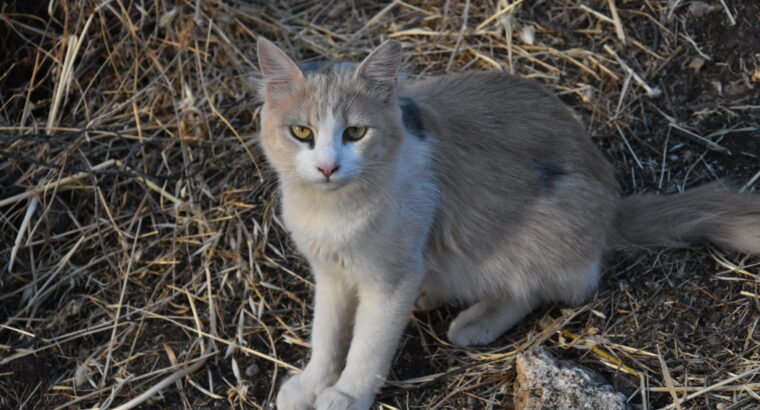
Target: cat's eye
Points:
(354, 133)
(301, 133)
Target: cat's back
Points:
(483, 111)
(496, 125)
(510, 158)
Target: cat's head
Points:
(329, 126)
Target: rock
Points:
(697, 63)
(700, 8)
(545, 383)
(528, 35)
(252, 370)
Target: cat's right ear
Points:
(279, 73)
(380, 68)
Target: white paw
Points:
(467, 331)
(334, 399)
(294, 396)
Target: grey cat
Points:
(476, 187)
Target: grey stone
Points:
(545, 383)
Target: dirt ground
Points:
(141, 219)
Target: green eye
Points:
(354, 133)
(301, 133)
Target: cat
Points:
(478, 187)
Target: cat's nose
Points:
(327, 170)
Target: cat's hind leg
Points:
(484, 321)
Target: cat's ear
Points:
(280, 74)
(380, 68)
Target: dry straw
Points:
(143, 262)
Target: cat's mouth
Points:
(331, 184)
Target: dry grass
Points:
(143, 261)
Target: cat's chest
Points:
(326, 231)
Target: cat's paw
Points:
(474, 327)
(473, 333)
(294, 396)
(334, 399)
(485, 321)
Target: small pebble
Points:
(697, 63)
(252, 370)
(700, 8)
(528, 35)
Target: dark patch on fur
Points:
(412, 117)
(547, 175)
(314, 66)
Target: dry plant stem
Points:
(668, 380)
(690, 389)
(74, 44)
(45, 289)
(30, 209)
(225, 341)
(144, 396)
(616, 21)
(597, 14)
(713, 387)
(498, 14)
(751, 182)
(56, 184)
(465, 14)
(731, 18)
(378, 16)
(650, 90)
(125, 281)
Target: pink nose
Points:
(327, 170)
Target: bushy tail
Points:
(707, 213)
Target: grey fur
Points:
(503, 205)
(710, 213)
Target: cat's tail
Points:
(707, 213)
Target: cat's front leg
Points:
(334, 307)
(385, 303)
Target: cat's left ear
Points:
(380, 68)
(280, 73)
